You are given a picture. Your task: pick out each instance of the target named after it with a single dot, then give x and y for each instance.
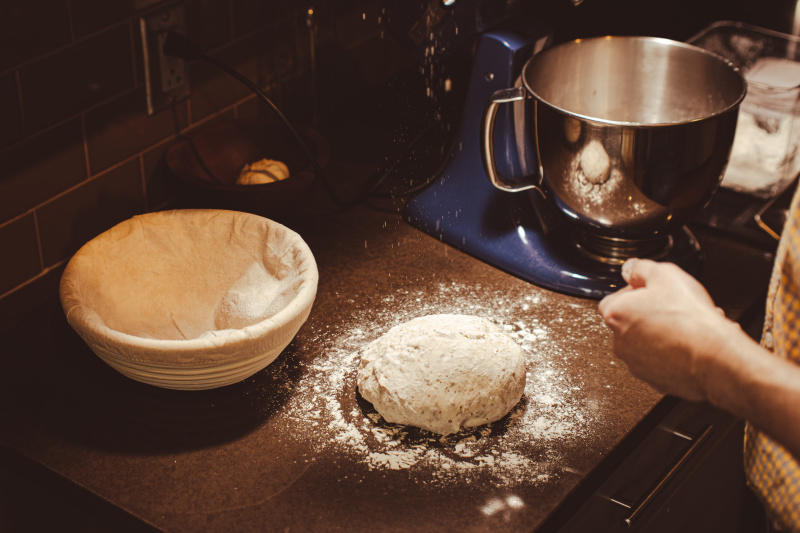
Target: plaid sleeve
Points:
(772, 472)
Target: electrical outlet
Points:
(166, 77)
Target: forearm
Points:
(754, 384)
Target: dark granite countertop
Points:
(294, 448)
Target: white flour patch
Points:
(520, 448)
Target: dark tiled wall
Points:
(78, 152)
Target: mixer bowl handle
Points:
(503, 96)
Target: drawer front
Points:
(685, 475)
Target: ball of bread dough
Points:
(442, 372)
(263, 171)
(595, 163)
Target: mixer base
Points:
(500, 229)
(615, 250)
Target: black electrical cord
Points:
(178, 45)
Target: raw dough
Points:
(595, 163)
(263, 171)
(442, 372)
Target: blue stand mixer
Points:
(507, 230)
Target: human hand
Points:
(666, 327)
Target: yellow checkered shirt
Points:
(771, 470)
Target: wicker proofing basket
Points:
(190, 299)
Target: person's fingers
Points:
(609, 300)
(604, 305)
(637, 272)
(616, 309)
(627, 266)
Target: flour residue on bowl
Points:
(520, 448)
(592, 185)
(255, 296)
(607, 198)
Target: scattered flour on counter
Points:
(519, 448)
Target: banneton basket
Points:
(190, 299)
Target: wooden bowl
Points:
(208, 160)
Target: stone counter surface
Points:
(295, 448)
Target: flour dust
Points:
(520, 448)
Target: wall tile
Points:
(71, 220)
(294, 98)
(40, 168)
(208, 23)
(89, 16)
(253, 108)
(76, 78)
(160, 186)
(138, 61)
(376, 59)
(24, 304)
(30, 28)
(249, 15)
(360, 22)
(325, 37)
(212, 89)
(11, 123)
(21, 252)
(291, 45)
(121, 128)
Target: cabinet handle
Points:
(636, 509)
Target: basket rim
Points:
(260, 337)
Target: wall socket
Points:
(166, 77)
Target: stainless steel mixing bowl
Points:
(632, 134)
